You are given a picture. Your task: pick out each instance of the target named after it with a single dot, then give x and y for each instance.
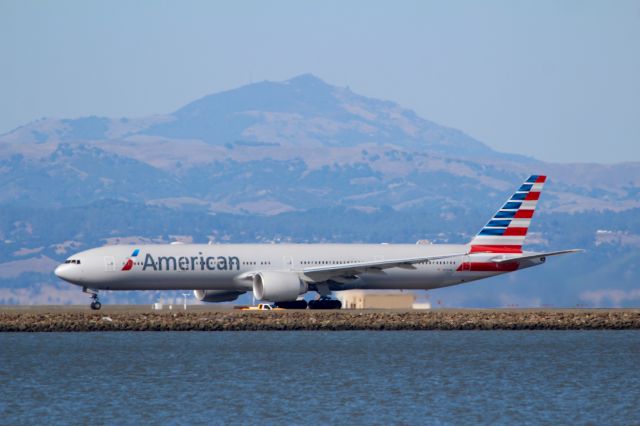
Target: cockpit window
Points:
(74, 261)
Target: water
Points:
(316, 377)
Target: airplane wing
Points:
(502, 259)
(323, 273)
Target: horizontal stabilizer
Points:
(503, 259)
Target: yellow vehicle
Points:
(262, 307)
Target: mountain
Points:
(297, 160)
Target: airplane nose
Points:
(62, 271)
(69, 272)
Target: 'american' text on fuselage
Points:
(191, 263)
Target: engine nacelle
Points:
(278, 286)
(217, 295)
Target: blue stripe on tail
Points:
(499, 223)
(492, 231)
(512, 205)
(505, 214)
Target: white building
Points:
(368, 299)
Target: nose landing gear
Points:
(95, 303)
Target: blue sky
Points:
(557, 80)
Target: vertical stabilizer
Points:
(506, 231)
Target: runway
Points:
(207, 318)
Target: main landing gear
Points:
(325, 303)
(322, 303)
(95, 303)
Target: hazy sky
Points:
(557, 80)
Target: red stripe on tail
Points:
(523, 214)
(515, 231)
(532, 196)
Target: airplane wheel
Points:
(325, 304)
(96, 305)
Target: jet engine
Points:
(217, 295)
(278, 286)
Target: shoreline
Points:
(119, 318)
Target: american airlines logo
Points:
(127, 266)
(184, 263)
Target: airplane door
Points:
(287, 262)
(109, 264)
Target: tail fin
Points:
(506, 231)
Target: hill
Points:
(299, 160)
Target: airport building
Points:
(361, 299)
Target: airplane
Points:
(283, 273)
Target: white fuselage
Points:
(283, 272)
(225, 266)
